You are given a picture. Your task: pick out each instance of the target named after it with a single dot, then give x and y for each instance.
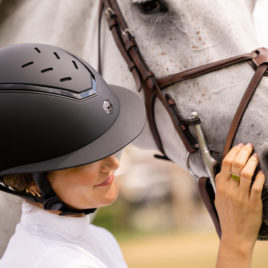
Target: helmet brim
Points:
(125, 129)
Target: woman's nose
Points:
(110, 163)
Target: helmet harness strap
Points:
(51, 201)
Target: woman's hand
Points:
(239, 206)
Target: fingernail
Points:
(249, 145)
(255, 155)
(240, 145)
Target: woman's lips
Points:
(108, 181)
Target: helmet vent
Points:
(37, 49)
(57, 55)
(27, 64)
(75, 65)
(46, 70)
(66, 79)
(43, 68)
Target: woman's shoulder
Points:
(102, 234)
(100, 231)
(68, 256)
(98, 249)
(61, 255)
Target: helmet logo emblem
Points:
(107, 107)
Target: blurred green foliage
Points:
(118, 219)
(115, 217)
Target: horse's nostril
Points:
(265, 203)
(263, 158)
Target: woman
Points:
(61, 128)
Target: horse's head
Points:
(174, 36)
(177, 35)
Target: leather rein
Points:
(153, 87)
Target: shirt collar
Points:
(68, 227)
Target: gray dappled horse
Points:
(173, 36)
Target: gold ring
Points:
(235, 177)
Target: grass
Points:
(189, 249)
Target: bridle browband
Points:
(152, 86)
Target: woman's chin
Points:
(96, 199)
(109, 199)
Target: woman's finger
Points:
(228, 159)
(246, 175)
(256, 188)
(241, 159)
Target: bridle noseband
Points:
(152, 86)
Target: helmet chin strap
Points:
(51, 201)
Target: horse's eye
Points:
(152, 6)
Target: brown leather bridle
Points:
(153, 87)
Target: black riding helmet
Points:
(57, 112)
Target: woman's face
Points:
(88, 186)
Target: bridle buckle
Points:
(127, 31)
(109, 12)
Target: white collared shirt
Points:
(46, 240)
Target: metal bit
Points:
(208, 160)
